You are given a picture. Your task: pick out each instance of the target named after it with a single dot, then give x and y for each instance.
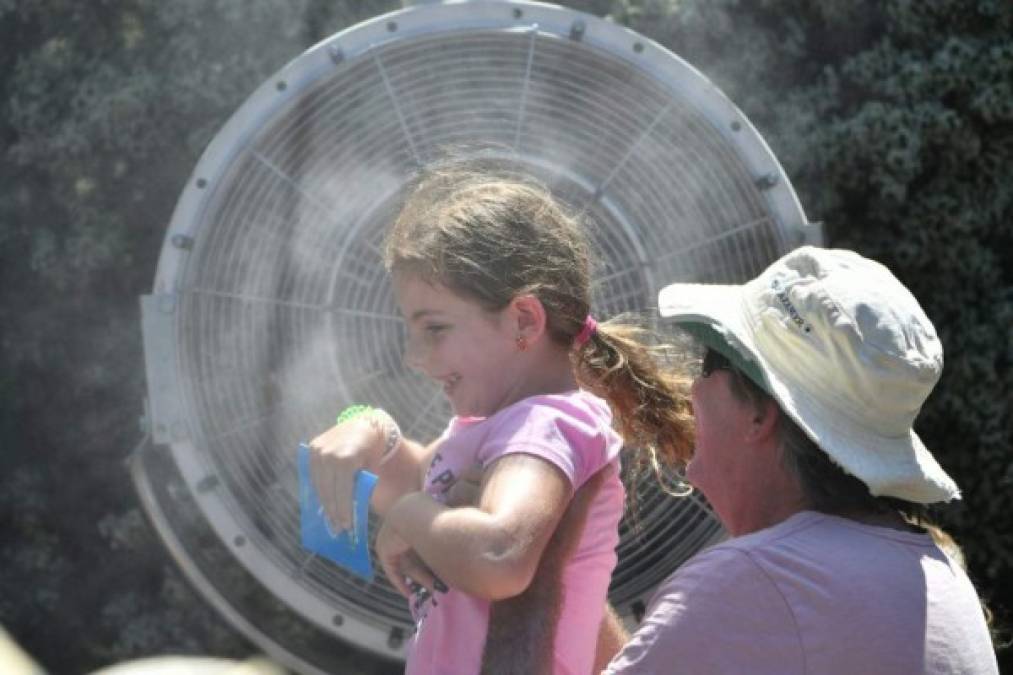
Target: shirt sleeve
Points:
(718, 613)
(572, 439)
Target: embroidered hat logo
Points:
(793, 314)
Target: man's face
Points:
(723, 423)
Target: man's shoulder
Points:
(717, 579)
(803, 524)
(749, 568)
(719, 612)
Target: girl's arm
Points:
(490, 551)
(339, 452)
(400, 475)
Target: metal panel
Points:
(165, 411)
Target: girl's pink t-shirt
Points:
(574, 432)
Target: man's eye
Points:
(436, 328)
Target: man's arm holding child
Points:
(522, 629)
(612, 635)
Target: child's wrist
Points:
(391, 434)
(381, 422)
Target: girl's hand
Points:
(335, 456)
(402, 565)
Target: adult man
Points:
(812, 377)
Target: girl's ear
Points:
(527, 313)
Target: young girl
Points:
(492, 278)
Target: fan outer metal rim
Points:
(685, 82)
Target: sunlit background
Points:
(893, 120)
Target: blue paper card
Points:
(348, 549)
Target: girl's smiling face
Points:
(459, 344)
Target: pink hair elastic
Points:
(590, 326)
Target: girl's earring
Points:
(522, 344)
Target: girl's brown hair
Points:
(492, 235)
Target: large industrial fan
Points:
(271, 310)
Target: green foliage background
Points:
(893, 118)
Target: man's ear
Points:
(765, 418)
(528, 315)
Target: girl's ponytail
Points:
(638, 375)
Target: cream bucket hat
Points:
(847, 352)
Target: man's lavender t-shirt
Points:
(814, 594)
(574, 432)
